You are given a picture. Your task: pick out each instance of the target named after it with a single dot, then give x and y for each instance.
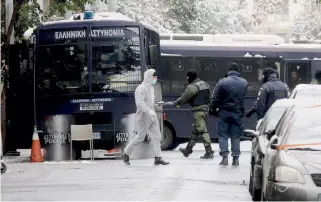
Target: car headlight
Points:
(287, 174)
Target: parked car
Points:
(260, 141)
(292, 161)
(305, 91)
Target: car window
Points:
(284, 118)
(271, 119)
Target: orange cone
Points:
(36, 155)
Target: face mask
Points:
(154, 81)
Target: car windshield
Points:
(305, 129)
(305, 94)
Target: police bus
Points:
(89, 67)
(295, 63)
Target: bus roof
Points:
(225, 38)
(200, 49)
(183, 45)
(100, 19)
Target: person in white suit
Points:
(146, 118)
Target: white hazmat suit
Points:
(146, 118)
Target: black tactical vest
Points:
(203, 94)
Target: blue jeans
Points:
(229, 130)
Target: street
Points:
(184, 179)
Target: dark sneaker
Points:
(235, 161)
(224, 161)
(160, 161)
(126, 159)
(185, 152)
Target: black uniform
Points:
(272, 90)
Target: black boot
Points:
(209, 153)
(224, 161)
(160, 161)
(187, 151)
(126, 158)
(235, 161)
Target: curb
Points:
(16, 160)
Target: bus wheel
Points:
(167, 138)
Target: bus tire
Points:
(168, 142)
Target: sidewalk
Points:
(25, 153)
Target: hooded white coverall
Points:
(146, 118)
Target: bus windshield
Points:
(115, 64)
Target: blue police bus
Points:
(296, 63)
(89, 67)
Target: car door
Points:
(266, 162)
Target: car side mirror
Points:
(274, 144)
(250, 134)
(269, 134)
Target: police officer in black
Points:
(198, 95)
(271, 90)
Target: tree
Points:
(221, 17)
(182, 14)
(307, 23)
(27, 13)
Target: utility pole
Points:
(112, 5)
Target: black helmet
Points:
(191, 75)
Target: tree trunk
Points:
(16, 8)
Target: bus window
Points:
(275, 63)
(180, 66)
(116, 68)
(298, 73)
(207, 69)
(62, 69)
(250, 70)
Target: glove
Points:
(213, 112)
(249, 113)
(175, 104)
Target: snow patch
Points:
(248, 55)
(316, 58)
(305, 58)
(259, 56)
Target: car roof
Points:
(307, 87)
(297, 102)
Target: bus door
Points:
(297, 72)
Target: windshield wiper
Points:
(304, 149)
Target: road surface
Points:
(184, 179)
